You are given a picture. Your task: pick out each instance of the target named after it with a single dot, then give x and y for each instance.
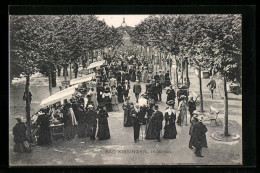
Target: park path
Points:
(110, 152)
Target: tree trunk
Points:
(50, 82)
(181, 70)
(201, 97)
(187, 71)
(225, 108)
(65, 72)
(70, 72)
(28, 108)
(176, 71)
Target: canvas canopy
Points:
(82, 79)
(64, 94)
(96, 64)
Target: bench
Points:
(213, 116)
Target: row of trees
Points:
(41, 43)
(211, 42)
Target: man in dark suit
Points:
(137, 90)
(126, 88)
(212, 86)
(159, 91)
(157, 118)
(136, 115)
(156, 77)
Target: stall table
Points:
(56, 130)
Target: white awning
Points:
(64, 94)
(82, 79)
(96, 64)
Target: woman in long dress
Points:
(67, 120)
(145, 76)
(127, 107)
(103, 128)
(170, 131)
(120, 93)
(107, 100)
(182, 119)
(43, 121)
(114, 99)
(93, 96)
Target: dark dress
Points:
(155, 125)
(91, 119)
(82, 125)
(99, 96)
(133, 77)
(44, 130)
(171, 94)
(103, 128)
(120, 94)
(128, 122)
(68, 127)
(167, 79)
(170, 131)
(19, 132)
(107, 101)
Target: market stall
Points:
(59, 96)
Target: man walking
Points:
(126, 88)
(198, 139)
(136, 114)
(212, 86)
(137, 90)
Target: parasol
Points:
(63, 94)
(82, 79)
(96, 64)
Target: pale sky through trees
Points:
(116, 20)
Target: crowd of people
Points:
(86, 113)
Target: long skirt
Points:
(44, 136)
(107, 103)
(151, 131)
(68, 132)
(120, 97)
(182, 119)
(170, 131)
(115, 107)
(103, 129)
(128, 122)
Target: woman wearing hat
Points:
(182, 119)
(170, 131)
(127, 107)
(114, 99)
(103, 128)
(43, 121)
(145, 75)
(91, 119)
(68, 122)
(119, 89)
(167, 79)
(20, 138)
(198, 135)
(82, 125)
(107, 99)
